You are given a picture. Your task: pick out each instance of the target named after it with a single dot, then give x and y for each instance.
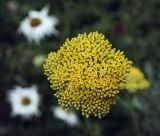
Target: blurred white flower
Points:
(37, 25)
(69, 117)
(24, 101)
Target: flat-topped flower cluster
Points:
(87, 73)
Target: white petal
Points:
(69, 117)
(45, 10)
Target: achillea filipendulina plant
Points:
(136, 81)
(87, 74)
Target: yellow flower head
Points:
(87, 73)
(136, 81)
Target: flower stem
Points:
(133, 115)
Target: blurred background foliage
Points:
(132, 26)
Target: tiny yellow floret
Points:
(136, 81)
(87, 74)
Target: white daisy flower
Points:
(38, 25)
(24, 101)
(69, 117)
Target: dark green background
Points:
(130, 25)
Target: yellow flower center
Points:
(35, 22)
(26, 101)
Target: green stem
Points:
(133, 116)
(91, 128)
